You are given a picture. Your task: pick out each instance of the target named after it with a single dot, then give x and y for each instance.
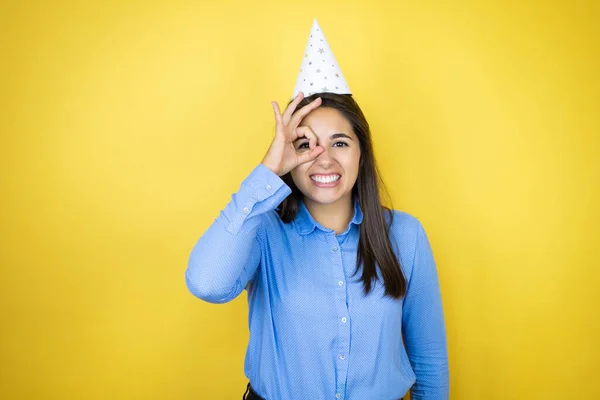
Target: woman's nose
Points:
(325, 158)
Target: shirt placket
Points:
(343, 347)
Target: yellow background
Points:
(126, 126)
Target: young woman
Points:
(343, 293)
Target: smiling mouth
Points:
(325, 178)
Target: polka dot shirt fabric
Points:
(313, 332)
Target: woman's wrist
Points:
(270, 167)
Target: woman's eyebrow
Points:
(334, 136)
(340, 135)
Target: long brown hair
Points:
(374, 246)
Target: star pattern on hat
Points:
(312, 76)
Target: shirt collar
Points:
(305, 223)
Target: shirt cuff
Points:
(262, 191)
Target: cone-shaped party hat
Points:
(319, 71)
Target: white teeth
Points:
(325, 179)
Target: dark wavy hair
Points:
(374, 246)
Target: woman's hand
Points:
(282, 156)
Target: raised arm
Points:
(227, 255)
(423, 325)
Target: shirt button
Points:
(342, 357)
(344, 319)
(337, 395)
(268, 187)
(340, 283)
(246, 210)
(335, 248)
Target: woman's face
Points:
(331, 176)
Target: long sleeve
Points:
(423, 326)
(227, 255)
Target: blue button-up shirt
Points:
(313, 333)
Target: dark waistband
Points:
(252, 395)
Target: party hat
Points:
(319, 71)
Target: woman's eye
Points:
(341, 144)
(303, 146)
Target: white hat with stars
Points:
(319, 71)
